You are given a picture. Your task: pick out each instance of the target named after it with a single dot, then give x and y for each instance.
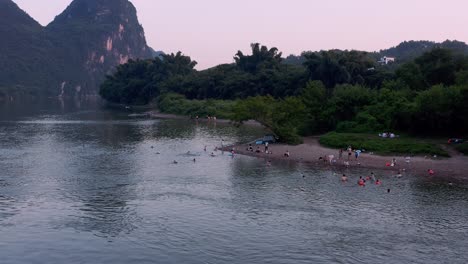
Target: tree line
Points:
(339, 90)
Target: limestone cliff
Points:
(71, 55)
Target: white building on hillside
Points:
(386, 60)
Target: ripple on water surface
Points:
(99, 187)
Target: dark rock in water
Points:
(71, 55)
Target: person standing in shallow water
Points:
(344, 178)
(340, 154)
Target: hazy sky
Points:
(211, 31)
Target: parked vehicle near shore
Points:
(267, 138)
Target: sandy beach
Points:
(311, 151)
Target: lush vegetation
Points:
(463, 148)
(373, 143)
(177, 104)
(346, 91)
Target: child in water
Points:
(344, 178)
(361, 181)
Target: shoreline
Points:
(159, 115)
(310, 151)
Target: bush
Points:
(463, 148)
(403, 145)
(179, 105)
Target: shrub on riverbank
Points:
(402, 145)
(463, 148)
(177, 104)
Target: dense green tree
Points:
(314, 98)
(261, 57)
(342, 90)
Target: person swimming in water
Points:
(378, 182)
(175, 162)
(344, 178)
(361, 183)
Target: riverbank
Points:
(311, 151)
(159, 115)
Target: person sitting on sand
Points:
(250, 148)
(286, 154)
(258, 150)
(430, 171)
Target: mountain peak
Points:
(12, 15)
(97, 10)
(72, 55)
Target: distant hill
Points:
(71, 55)
(409, 50)
(403, 52)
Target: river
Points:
(82, 183)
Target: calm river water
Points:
(80, 183)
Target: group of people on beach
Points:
(208, 117)
(350, 151)
(258, 150)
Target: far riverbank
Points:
(156, 114)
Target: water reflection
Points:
(72, 180)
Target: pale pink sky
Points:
(211, 31)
